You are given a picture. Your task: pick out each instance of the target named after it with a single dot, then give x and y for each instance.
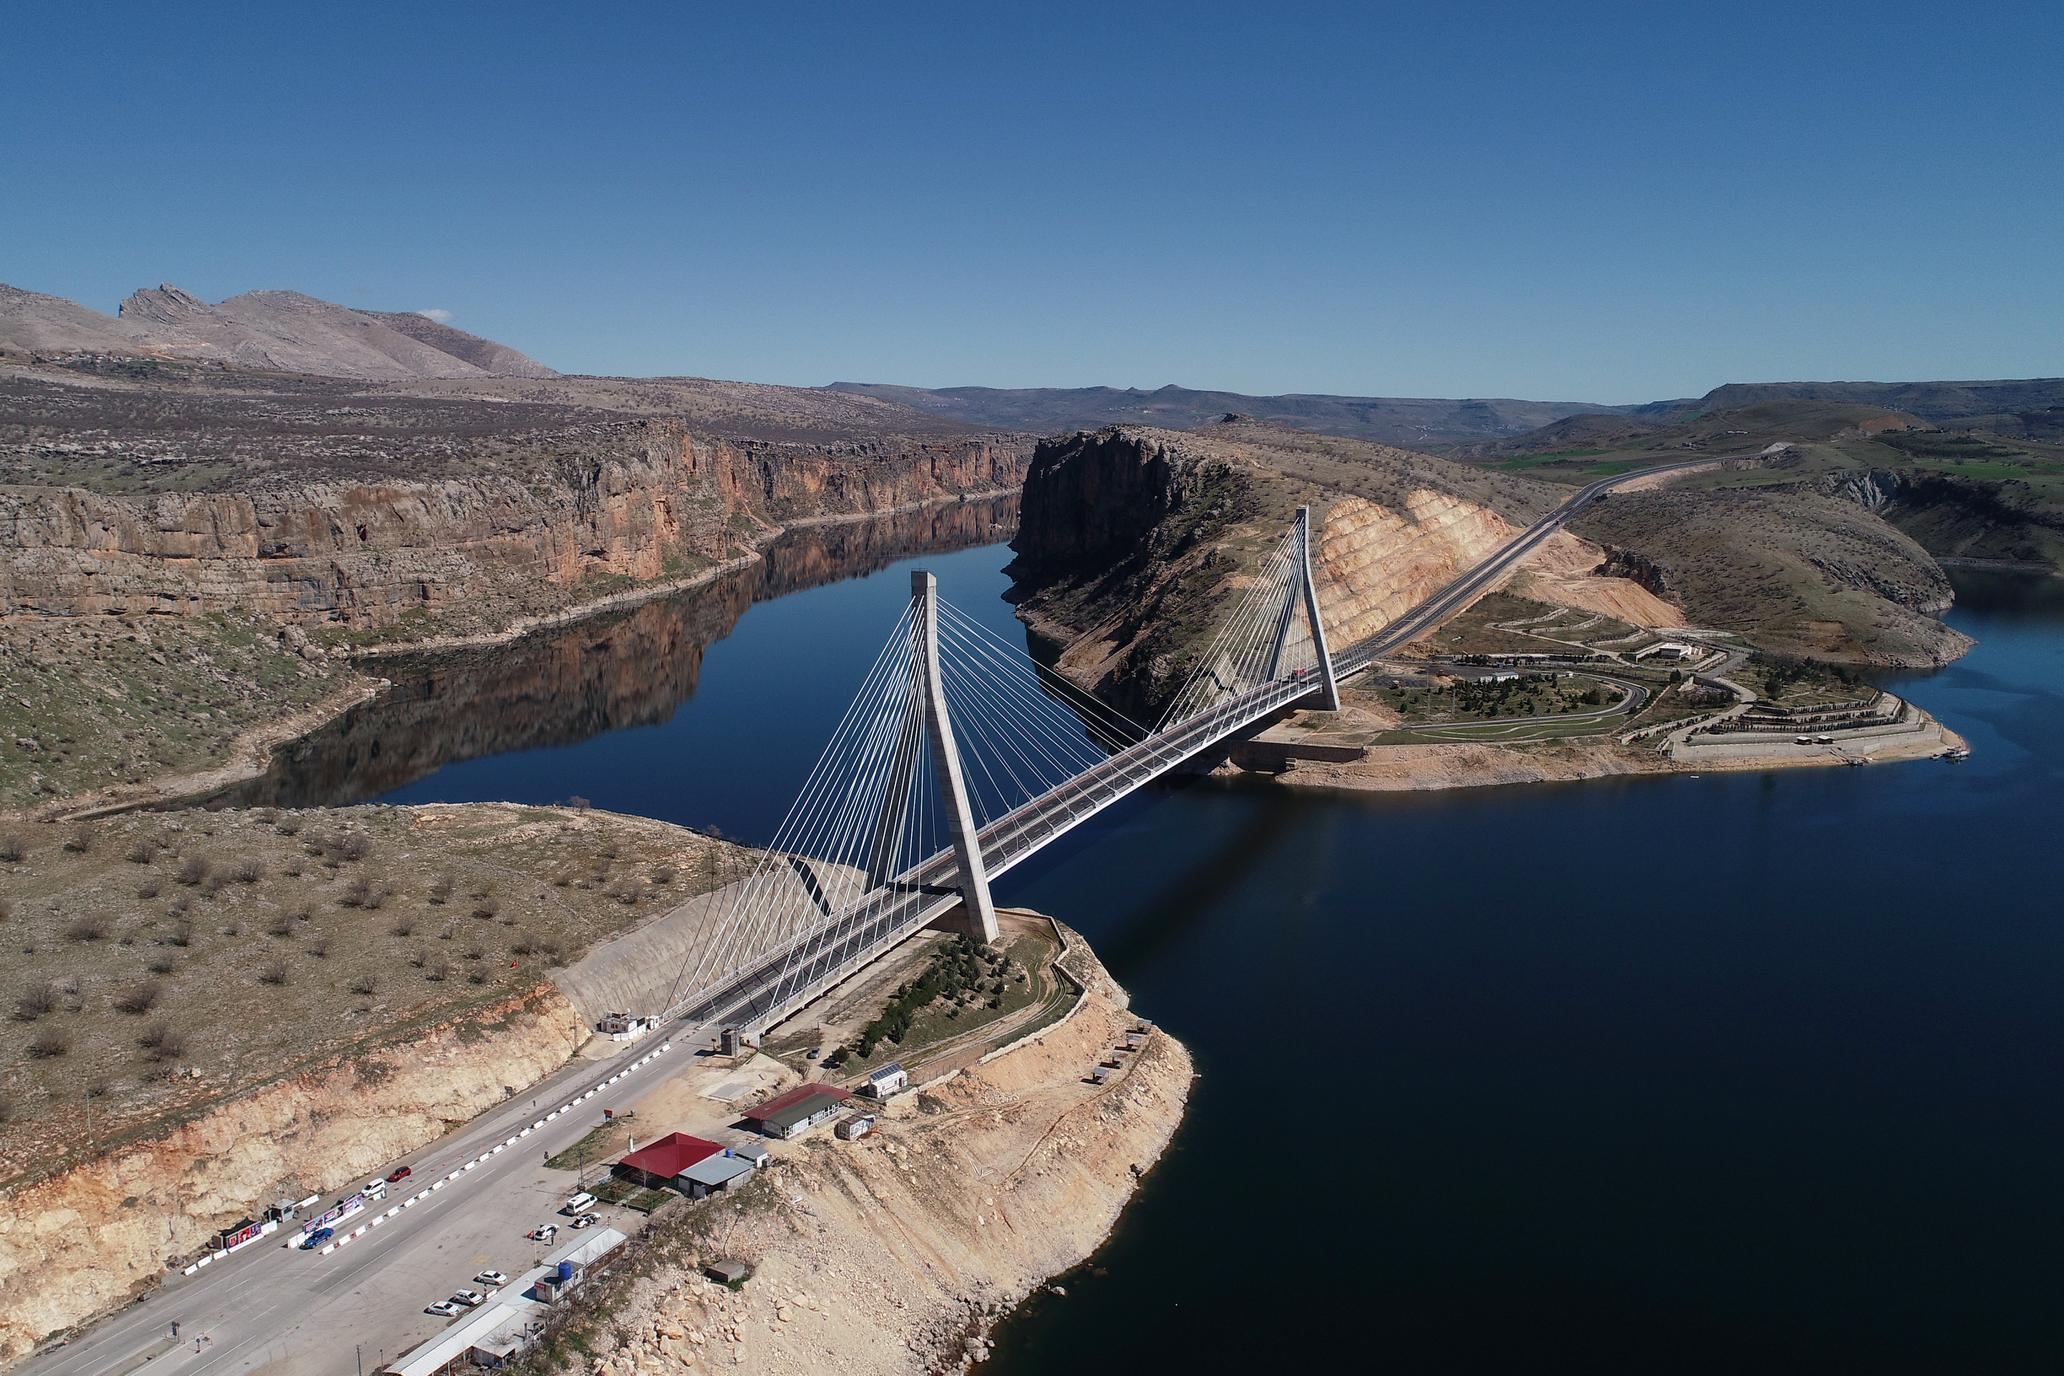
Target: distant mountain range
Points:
(267, 331)
(284, 331)
(1409, 422)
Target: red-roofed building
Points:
(656, 1165)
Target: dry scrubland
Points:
(163, 964)
(101, 702)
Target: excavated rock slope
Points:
(76, 1244)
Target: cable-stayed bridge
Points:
(960, 756)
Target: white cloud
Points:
(442, 317)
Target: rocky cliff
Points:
(1134, 542)
(78, 1243)
(2007, 522)
(637, 503)
(560, 686)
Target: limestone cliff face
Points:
(74, 1245)
(365, 553)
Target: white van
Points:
(579, 1203)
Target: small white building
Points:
(1675, 650)
(854, 1125)
(891, 1079)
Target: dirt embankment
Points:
(76, 1244)
(896, 1253)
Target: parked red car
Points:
(401, 1174)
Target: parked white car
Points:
(469, 1298)
(443, 1309)
(491, 1278)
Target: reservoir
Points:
(1743, 1071)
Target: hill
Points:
(266, 331)
(1413, 421)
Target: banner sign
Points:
(350, 1204)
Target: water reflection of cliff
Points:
(631, 668)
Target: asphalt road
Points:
(274, 1305)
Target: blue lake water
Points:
(1746, 1071)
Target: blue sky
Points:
(1598, 202)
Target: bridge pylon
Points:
(979, 912)
(1303, 591)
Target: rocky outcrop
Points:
(1953, 517)
(1134, 542)
(365, 553)
(1633, 565)
(73, 1245)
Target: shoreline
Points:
(1436, 768)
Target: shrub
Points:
(182, 933)
(439, 971)
(13, 848)
(403, 926)
(291, 867)
(441, 888)
(366, 985)
(289, 826)
(163, 1041)
(475, 953)
(80, 841)
(249, 872)
(214, 884)
(54, 1042)
(273, 972)
(578, 803)
(487, 908)
(97, 1087)
(552, 951)
(178, 906)
(33, 1004)
(160, 965)
(356, 893)
(663, 875)
(319, 947)
(232, 930)
(378, 897)
(196, 869)
(148, 888)
(476, 977)
(418, 959)
(281, 925)
(142, 853)
(354, 847)
(523, 946)
(87, 929)
(608, 850)
(139, 998)
(450, 930)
